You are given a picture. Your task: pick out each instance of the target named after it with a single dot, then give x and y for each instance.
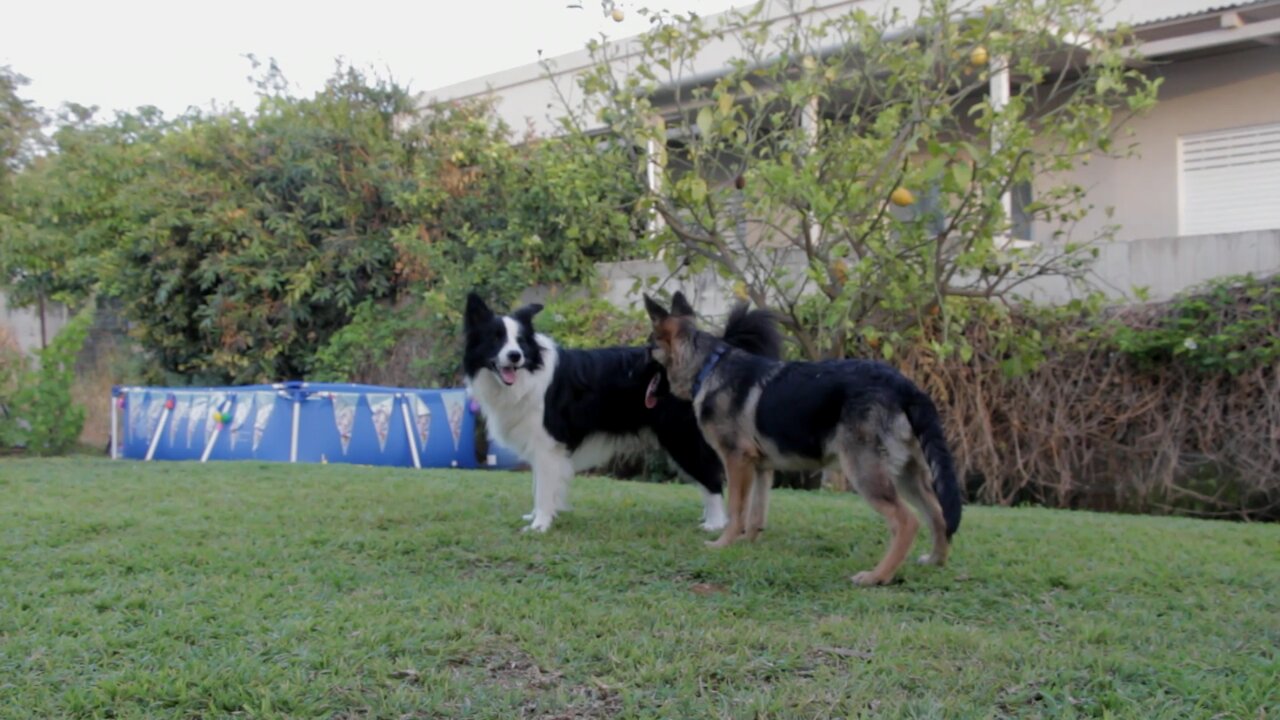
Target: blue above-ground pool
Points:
(300, 422)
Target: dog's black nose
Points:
(514, 356)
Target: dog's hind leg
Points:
(915, 483)
(740, 473)
(758, 503)
(873, 478)
(913, 480)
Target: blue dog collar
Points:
(712, 360)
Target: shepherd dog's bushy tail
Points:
(755, 331)
(927, 425)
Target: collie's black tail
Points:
(755, 331)
(927, 425)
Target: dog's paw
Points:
(868, 578)
(930, 559)
(527, 517)
(539, 525)
(723, 541)
(714, 525)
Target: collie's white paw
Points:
(713, 514)
(539, 524)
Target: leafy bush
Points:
(408, 345)
(238, 244)
(41, 415)
(590, 322)
(1228, 325)
(13, 370)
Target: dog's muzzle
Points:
(506, 373)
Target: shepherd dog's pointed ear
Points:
(657, 313)
(526, 313)
(477, 312)
(681, 306)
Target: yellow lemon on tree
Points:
(840, 271)
(978, 56)
(902, 197)
(617, 15)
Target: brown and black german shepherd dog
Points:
(858, 416)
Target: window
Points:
(1229, 180)
(930, 207)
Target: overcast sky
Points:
(120, 54)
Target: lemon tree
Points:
(852, 171)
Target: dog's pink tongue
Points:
(508, 375)
(650, 393)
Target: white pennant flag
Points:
(199, 413)
(215, 410)
(263, 403)
(344, 416)
(181, 406)
(238, 418)
(137, 402)
(381, 405)
(455, 402)
(421, 420)
(155, 406)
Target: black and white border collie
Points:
(564, 410)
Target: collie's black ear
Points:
(477, 312)
(526, 313)
(657, 313)
(680, 306)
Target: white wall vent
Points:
(1229, 180)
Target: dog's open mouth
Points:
(651, 392)
(508, 375)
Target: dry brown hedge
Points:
(1092, 427)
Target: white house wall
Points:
(526, 97)
(1216, 93)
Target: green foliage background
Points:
(237, 244)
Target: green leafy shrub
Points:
(590, 322)
(1228, 325)
(13, 370)
(42, 417)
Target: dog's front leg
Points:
(739, 472)
(533, 473)
(551, 475)
(713, 517)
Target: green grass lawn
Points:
(181, 590)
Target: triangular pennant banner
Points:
(155, 406)
(455, 402)
(263, 403)
(344, 416)
(216, 407)
(199, 413)
(137, 402)
(181, 406)
(238, 418)
(381, 405)
(421, 420)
